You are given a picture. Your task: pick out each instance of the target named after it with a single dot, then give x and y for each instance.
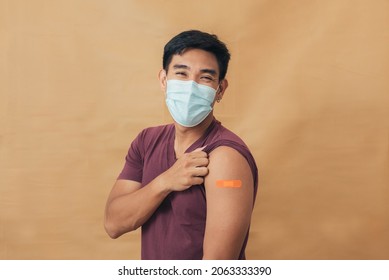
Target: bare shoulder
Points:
(226, 166)
(227, 161)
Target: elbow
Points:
(111, 230)
(114, 229)
(116, 224)
(110, 226)
(113, 234)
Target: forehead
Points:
(195, 59)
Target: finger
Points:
(198, 154)
(197, 181)
(194, 155)
(200, 149)
(200, 172)
(199, 162)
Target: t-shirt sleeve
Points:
(133, 167)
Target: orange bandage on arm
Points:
(228, 183)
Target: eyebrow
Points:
(181, 66)
(186, 67)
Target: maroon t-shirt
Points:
(176, 229)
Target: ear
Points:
(222, 88)
(162, 77)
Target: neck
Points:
(186, 136)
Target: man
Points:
(190, 185)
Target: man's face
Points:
(197, 65)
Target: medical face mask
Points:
(188, 102)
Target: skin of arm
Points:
(228, 209)
(130, 205)
(124, 212)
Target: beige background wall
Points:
(309, 93)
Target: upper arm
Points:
(120, 188)
(228, 208)
(131, 174)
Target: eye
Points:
(181, 74)
(207, 78)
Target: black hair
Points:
(195, 39)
